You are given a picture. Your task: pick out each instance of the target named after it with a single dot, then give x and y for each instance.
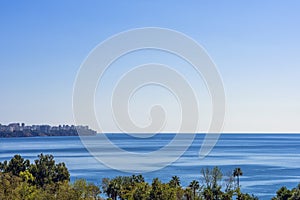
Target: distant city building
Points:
(45, 128)
(15, 130)
(14, 127)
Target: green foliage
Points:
(246, 197)
(174, 182)
(84, 190)
(16, 165)
(46, 180)
(157, 189)
(212, 177)
(26, 176)
(162, 191)
(42, 180)
(9, 186)
(285, 194)
(194, 185)
(46, 171)
(295, 193)
(142, 191)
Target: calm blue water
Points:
(267, 160)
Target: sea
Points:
(268, 161)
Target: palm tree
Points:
(175, 181)
(237, 172)
(188, 193)
(194, 185)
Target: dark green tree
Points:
(142, 191)
(188, 193)
(174, 182)
(137, 178)
(115, 187)
(295, 193)
(237, 172)
(105, 186)
(16, 165)
(157, 190)
(246, 196)
(46, 171)
(61, 173)
(283, 194)
(194, 185)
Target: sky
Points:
(254, 44)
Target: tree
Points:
(283, 194)
(113, 190)
(26, 176)
(46, 171)
(16, 165)
(194, 185)
(208, 194)
(61, 173)
(42, 180)
(137, 179)
(246, 196)
(156, 192)
(142, 191)
(8, 186)
(93, 190)
(229, 182)
(105, 186)
(295, 193)
(237, 172)
(211, 178)
(26, 190)
(206, 177)
(188, 193)
(174, 182)
(61, 191)
(85, 190)
(114, 187)
(216, 176)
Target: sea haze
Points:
(268, 161)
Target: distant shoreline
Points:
(75, 134)
(18, 135)
(21, 130)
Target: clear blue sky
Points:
(255, 45)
